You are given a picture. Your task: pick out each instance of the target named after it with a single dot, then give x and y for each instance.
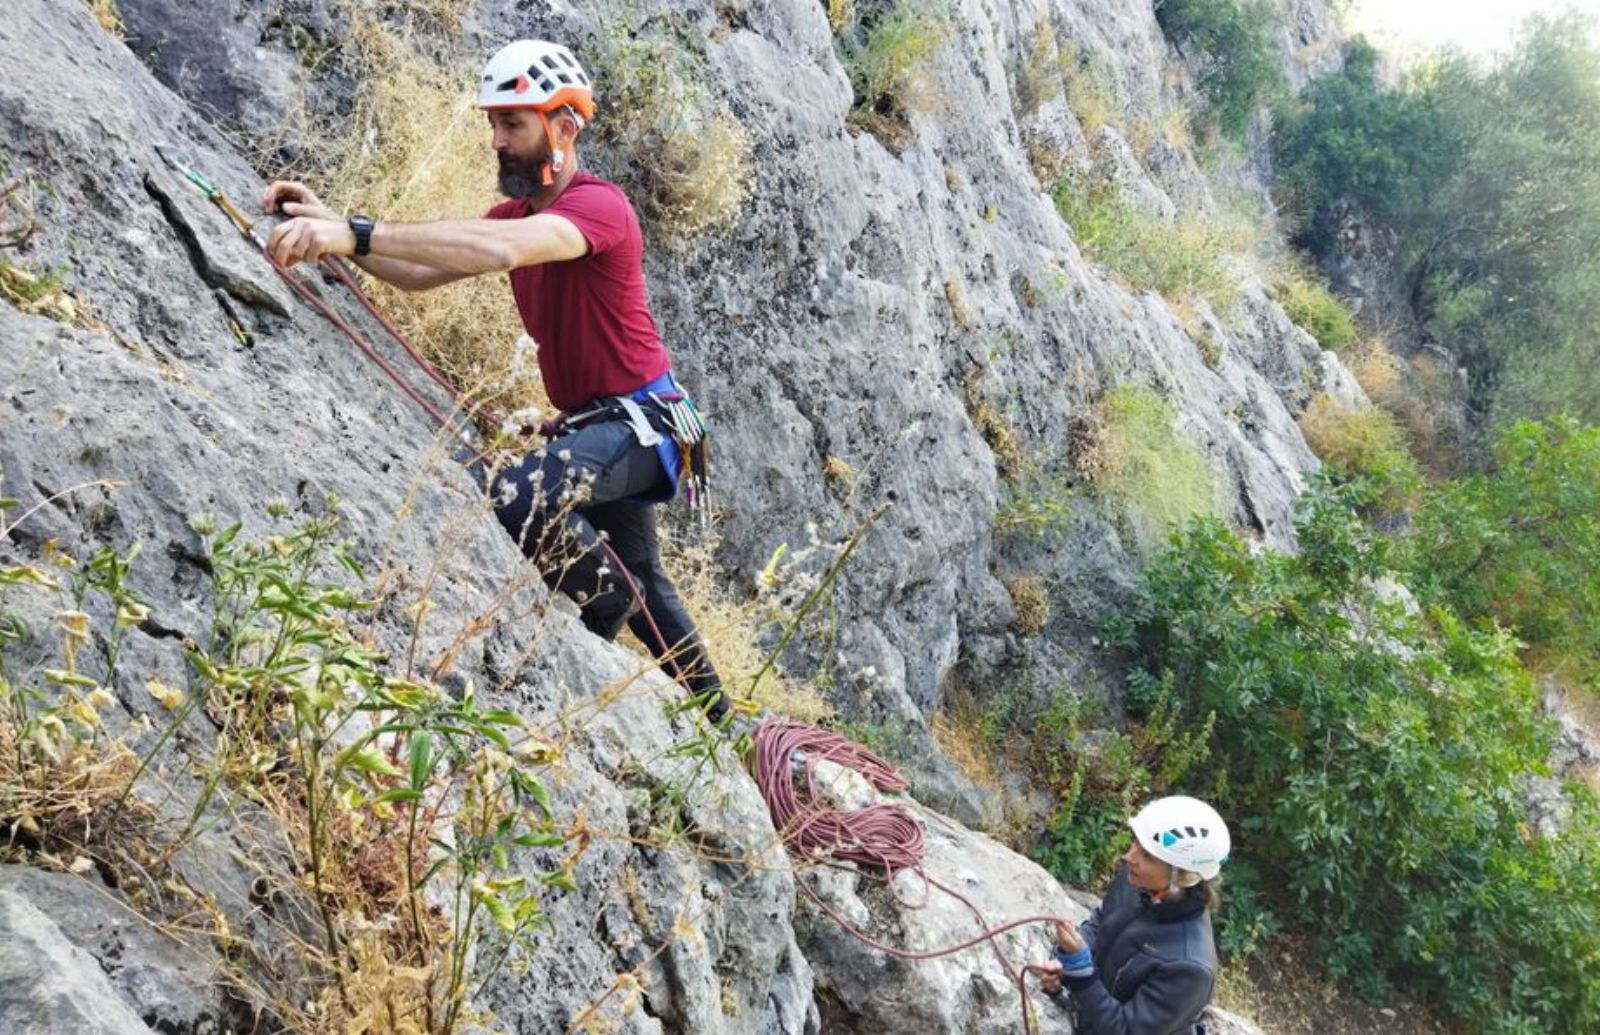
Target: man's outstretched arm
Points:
(420, 255)
(297, 200)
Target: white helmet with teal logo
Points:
(1183, 832)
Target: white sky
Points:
(1480, 26)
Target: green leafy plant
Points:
(1232, 42)
(1517, 543)
(1484, 177)
(1181, 259)
(1373, 758)
(1317, 310)
(1128, 449)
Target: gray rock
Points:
(168, 985)
(49, 985)
(1221, 1022)
(863, 989)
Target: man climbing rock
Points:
(582, 507)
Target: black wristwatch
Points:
(361, 226)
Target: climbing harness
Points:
(686, 458)
(882, 840)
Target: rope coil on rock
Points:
(881, 837)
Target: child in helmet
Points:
(582, 506)
(1145, 962)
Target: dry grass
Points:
(1414, 393)
(56, 792)
(1030, 597)
(108, 15)
(1091, 90)
(1364, 443)
(841, 14)
(732, 630)
(687, 160)
(838, 471)
(418, 149)
(997, 430)
(1294, 1000)
(958, 729)
(960, 311)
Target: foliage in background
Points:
(1372, 760)
(1520, 543)
(1232, 41)
(1348, 138)
(1129, 451)
(1489, 176)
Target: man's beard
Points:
(521, 177)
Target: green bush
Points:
(1519, 544)
(1487, 176)
(1181, 259)
(1348, 138)
(887, 48)
(1366, 444)
(1129, 451)
(1317, 310)
(1372, 761)
(1233, 42)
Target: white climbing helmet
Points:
(1183, 832)
(535, 74)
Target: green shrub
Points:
(1372, 762)
(1519, 544)
(1349, 138)
(1486, 176)
(1181, 259)
(1233, 43)
(1091, 89)
(887, 48)
(1130, 453)
(1366, 444)
(1317, 310)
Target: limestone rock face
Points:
(47, 984)
(860, 308)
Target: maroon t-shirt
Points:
(590, 316)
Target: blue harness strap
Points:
(664, 387)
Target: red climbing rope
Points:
(882, 839)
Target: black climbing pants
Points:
(559, 501)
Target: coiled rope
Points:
(882, 839)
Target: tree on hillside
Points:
(1490, 177)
